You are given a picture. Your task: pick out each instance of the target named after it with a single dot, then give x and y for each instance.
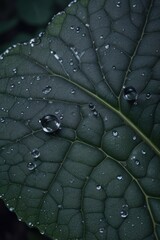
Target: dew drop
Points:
(72, 27)
(134, 138)
(148, 96)
(95, 113)
(134, 5)
(114, 67)
(137, 162)
(91, 106)
(99, 187)
(143, 152)
(2, 120)
(118, 4)
(14, 70)
(120, 177)
(115, 133)
(50, 124)
(101, 230)
(78, 29)
(130, 94)
(35, 153)
(124, 211)
(73, 91)
(47, 90)
(31, 166)
(107, 46)
(11, 209)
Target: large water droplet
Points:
(50, 124)
(124, 211)
(35, 153)
(31, 166)
(47, 90)
(130, 94)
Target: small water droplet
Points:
(71, 62)
(118, 4)
(14, 70)
(99, 187)
(60, 206)
(95, 113)
(124, 211)
(143, 152)
(148, 96)
(107, 46)
(134, 5)
(134, 138)
(47, 90)
(73, 91)
(35, 153)
(137, 162)
(50, 124)
(2, 120)
(101, 230)
(72, 27)
(130, 94)
(31, 166)
(78, 29)
(120, 177)
(91, 106)
(11, 209)
(114, 67)
(115, 133)
(75, 70)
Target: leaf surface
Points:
(95, 72)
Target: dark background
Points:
(21, 20)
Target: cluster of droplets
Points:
(124, 211)
(35, 153)
(93, 109)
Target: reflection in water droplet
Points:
(124, 211)
(99, 187)
(130, 94)
(35, 153)
(47, 90)
(50, 124)
(31, 166)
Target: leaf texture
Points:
(97, 70)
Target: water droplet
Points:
(78, 29)
(72, 27)
(11, 209)
(134, 138)
(71, 62)
(75, 70)
(47, 90)
(130, 94)
(73, 91)
(124, 211)
(14, 70)
(137, 162)
(101, 37)
(2, 120)
(118, 4)
(119, 177)
(91, 106)
(95, 113)
(101, 230)
(134, 5)
(107, 46)
(35, 153)
(114, 67)
(143, 152)
(31, 166)
(115, 133)
(148, 96)
(59, 206)
(99, 187)
(50, 124)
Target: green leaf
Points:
(80, 123)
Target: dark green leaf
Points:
(80, 123)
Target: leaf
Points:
(92, 82)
